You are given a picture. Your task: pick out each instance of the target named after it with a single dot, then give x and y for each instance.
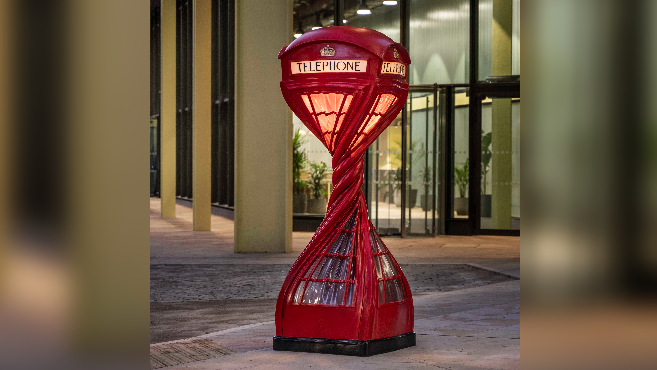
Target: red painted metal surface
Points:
(346, 84)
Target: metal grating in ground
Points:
(182, 352)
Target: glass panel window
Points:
(385, 180)
(327, 278)
(420, 188)
(500, 164)
(461, 147)
(384, 18)
(394, 291)
(499, 30)
(440, 39)
(390, 286)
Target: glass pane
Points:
(500, 164)
(306, 16)
(333, 293)
(440, 39)
(394, 291)
(389, 269)
(507, 20)
(385, 180)
(420, 190)
(342, 244)
(461, 165)
(310, 270)
(382, 247)
(297, 295)
(324, 293)
(313, 292)
(309, 196)
(377, 263)
(384, 18)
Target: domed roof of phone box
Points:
(370, 40)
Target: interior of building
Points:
(448, 164)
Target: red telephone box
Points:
(345, 294)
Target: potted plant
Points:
(486, 155)
(462, 179)
(317, 205)
(411, 194)
(299, 159)
(426, 201)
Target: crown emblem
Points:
(395, 53)
(327, 51)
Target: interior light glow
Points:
(298, 32)
(363, 9)
(390, 2)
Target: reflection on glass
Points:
(394, 291)
(297, 295)
(385, 180)
(500, 164)
(441, 29)
(317, 153)
(384, 19)
(461, 164)
(486, 24)
(420, 187)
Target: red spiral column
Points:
(345, 294)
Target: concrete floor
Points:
(466, 293)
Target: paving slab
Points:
(481, 336)
(466, 293)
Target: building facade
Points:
(449, 163)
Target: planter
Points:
(299, 203)
(486, 202)
(426, 202)
(461, 206)
(411, 198)
(316, 206)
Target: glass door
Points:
(421, 162)
(500, 164)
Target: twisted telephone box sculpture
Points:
(345, 294)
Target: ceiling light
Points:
(363, 9)
(344, 21)
(298, 32)
(390, 2)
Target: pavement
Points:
(213, 309)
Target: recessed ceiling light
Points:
(363, 9)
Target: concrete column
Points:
(168, 109)
(202, 105)
(263, 128)
(501, 143)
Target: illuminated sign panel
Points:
(324, 66)
(393, 67)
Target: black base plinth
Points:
(345, 347)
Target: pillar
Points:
(201, 121)
(501, 140)
(168, 109)
(263, 128)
